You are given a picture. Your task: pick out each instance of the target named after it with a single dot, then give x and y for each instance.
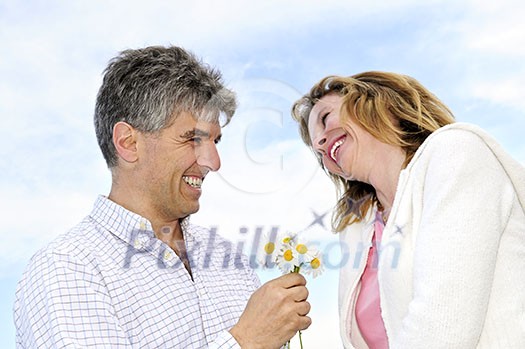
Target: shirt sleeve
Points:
(467, 200)
(224, 340)
(61, 302)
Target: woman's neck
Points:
(384, 175)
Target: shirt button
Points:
(137, 243)
(168, 255)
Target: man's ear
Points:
(125, 141)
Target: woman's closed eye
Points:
(323, 119)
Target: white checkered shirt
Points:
(110, 283)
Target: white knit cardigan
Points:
(452, 256)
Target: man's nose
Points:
(208, 156)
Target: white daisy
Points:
(287, 258)
(315, 266)
(305, 250)
(270, 247)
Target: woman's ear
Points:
(125, 141)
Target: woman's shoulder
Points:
(459, 133)
(456, 141)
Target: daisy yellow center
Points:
(287, 239)
(269, 248)
(315, 263)
(288, 255)
(301, 248)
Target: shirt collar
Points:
(124, 224)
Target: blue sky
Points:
(469, 53)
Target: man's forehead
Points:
(201, 126)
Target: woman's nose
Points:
(319, 144)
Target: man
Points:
(135, 273)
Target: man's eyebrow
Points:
(195, 132)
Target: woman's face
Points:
(347, 150)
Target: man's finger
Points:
(291, 280)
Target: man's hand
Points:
(274, 313)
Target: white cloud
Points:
(496, 27)
(493, 35)
(508, 91)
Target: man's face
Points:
(173, 164)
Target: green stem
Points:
(300, 339)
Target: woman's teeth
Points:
(195, 182)
(335, 147)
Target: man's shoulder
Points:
(79, 241)
(79, 236)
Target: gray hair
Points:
(149, 87)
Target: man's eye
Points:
(197, 140)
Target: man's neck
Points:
(168, 232)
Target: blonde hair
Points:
(396, 109)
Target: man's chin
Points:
(193, 209)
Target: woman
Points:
(433, 212)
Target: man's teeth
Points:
(335, 147)
(193, 181)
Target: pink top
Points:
(368, 309)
